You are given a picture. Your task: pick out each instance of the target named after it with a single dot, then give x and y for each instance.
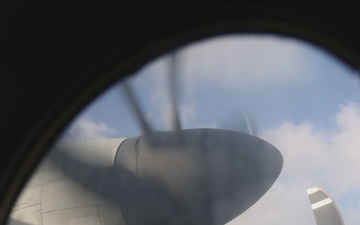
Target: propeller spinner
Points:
(195, 176)
(199, 176)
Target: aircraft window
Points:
(200, 136)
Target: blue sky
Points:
(304, 101)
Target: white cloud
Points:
(84, 128)
(312, 157)
(247, 61)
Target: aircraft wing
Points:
(324, 207)
(16, 222)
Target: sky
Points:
(304, 101)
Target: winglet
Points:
(324, 207)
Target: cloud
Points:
(240, 60)
(85, 128)
(312, 157)
(247, 61)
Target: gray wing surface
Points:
(324, 207)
